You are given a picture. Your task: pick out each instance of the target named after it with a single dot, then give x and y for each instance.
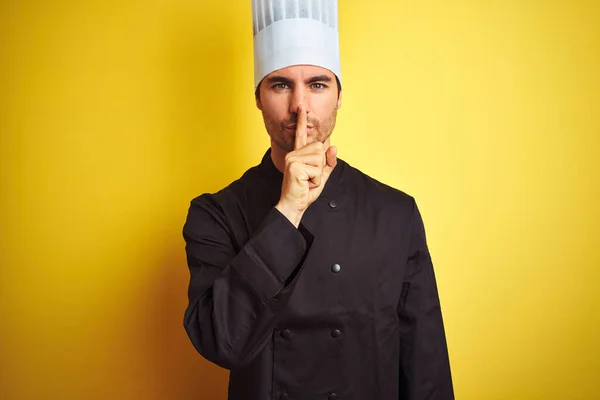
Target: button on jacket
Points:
(344, 307)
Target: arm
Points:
(235, 296)
(424, 364)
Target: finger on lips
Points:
(311, 159)
(301, 122)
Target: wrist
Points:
(294, 216)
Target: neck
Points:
(278, 154)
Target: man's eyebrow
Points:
(283, 79)
(278, 79)
(320, 78)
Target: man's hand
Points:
(307, 169)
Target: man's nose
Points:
(298, 98)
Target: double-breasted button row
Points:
(286, 333)
(332, 396)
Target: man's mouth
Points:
(293, 127)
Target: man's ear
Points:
(257, 97)
(339, 103)
(258, 104)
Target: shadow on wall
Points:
(203, 149)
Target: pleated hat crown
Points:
(295, 32)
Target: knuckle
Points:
(295, 168)
(291, 160)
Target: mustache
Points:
(294, 120)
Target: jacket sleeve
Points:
(424, 362)
(236, 295)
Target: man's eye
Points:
(318, 86)
(281, 86)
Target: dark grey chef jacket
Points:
(344, 307)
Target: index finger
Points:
(301, 122)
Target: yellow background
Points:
(114, 115)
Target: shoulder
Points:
(236, 190)
(217, 206)
(375, 192)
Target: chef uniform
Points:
(343, 307)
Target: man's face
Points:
(282, 91)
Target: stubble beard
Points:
(281, 136)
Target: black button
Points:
(336, 333)
(333, 203)
(286, 335)
(333, 396)
(336, 268)
(284, 396)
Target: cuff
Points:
(272, 255)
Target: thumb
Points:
(331, 158)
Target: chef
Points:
(308, 278)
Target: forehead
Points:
(301, 72)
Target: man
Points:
(309, 279)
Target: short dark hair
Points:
(337, 80)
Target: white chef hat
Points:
(295, 32)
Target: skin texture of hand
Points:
(307, 169)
